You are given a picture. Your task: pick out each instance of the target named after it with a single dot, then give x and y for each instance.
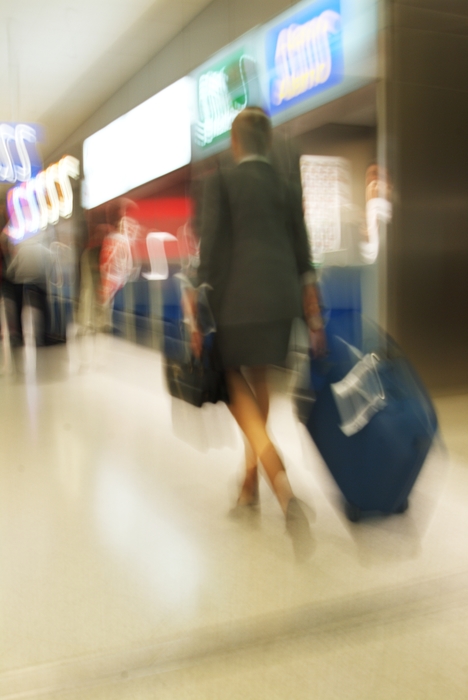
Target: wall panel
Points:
(427, 103)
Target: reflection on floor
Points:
(124, 578)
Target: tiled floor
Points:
(123, 576)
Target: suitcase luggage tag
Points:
(360, 394)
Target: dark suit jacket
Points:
(254, 245)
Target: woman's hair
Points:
(252, 128)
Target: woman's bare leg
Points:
(249, 494)
(250, 488)
(257, 378)
(245, 408)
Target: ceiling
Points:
(61, 59)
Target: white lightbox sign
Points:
(151, 140)
(316, 52)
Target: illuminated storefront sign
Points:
(223, 91)
(304, 54)
(224, 87)
(41, 201)
(317, 52)
(311, 54)
(19, 158)
(151, 140)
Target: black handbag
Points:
(198, 380)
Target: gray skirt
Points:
(254, 344)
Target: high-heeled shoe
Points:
(246, 510)
(298, 528)
(246, 514)
(249, 494)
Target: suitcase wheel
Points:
(352, 512)
(403, 507)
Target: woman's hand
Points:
(310, 303)
(196, 343)
(190, 308)
(313, 316)
(318, 341)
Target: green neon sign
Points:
(223, 91)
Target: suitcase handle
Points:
(376, 359)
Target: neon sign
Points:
(224, 86)
(304, 54)
(18, 161)
(35, 204)
(223, 92)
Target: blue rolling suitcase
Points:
(373, 422)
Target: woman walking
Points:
(255, 257)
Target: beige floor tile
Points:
(453, 417)
(117, 548)
(418, 659)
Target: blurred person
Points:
(8, 303)
(88, 304)
(117, 257)
(255, 256)
(11, 294)
(27, 267)
(378, 209)
(107, 264)
(347, 279)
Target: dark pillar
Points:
(427, 151)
